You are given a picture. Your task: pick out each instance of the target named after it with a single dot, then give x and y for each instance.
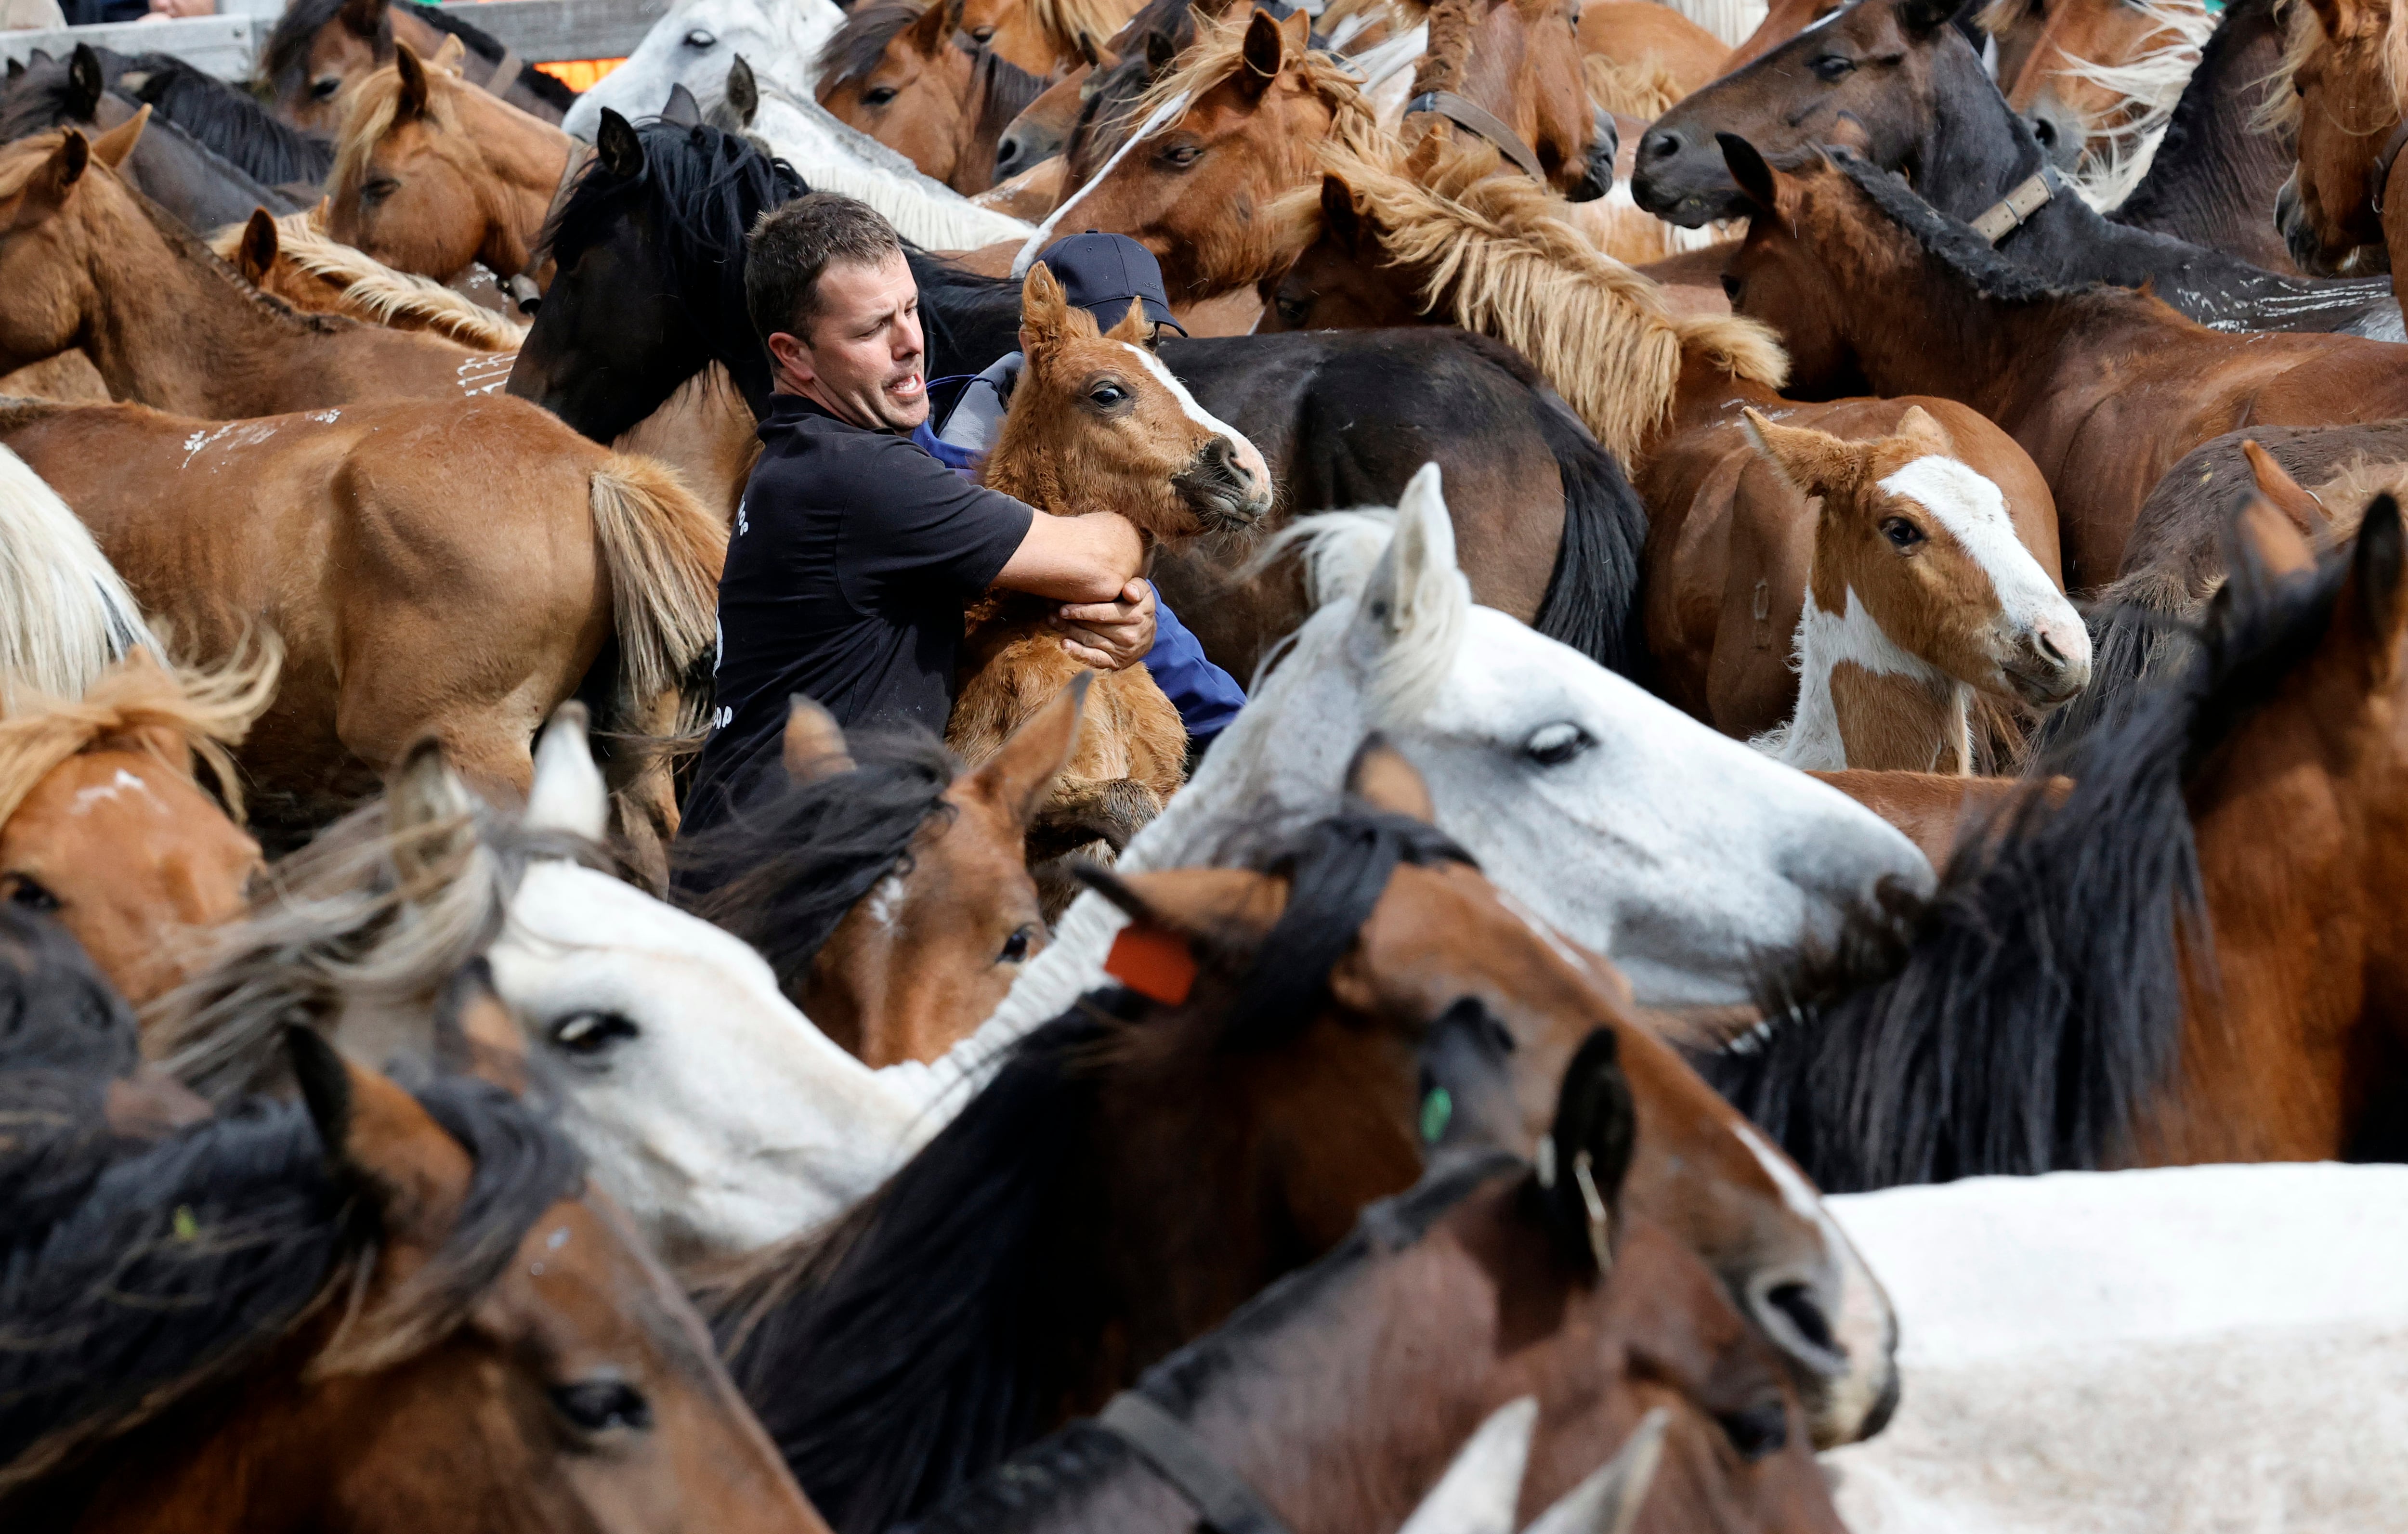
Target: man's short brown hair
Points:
(792, 245)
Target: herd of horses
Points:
(1824, 591)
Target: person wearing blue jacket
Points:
(1101, 273)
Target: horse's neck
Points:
(1917, 333)
(1864, 703)
(1977, 151)
(2213, 178)
(525, 159)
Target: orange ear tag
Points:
(1154, 963)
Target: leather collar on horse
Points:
(2011, 211)
(1475, 119)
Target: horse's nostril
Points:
(2050, 653)
(1660, 146)
(2045, 131)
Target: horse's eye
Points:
(1290, 310)
(1553, 745)
(879, 97)
(29, 893)
(1758, 1430)
(698, 37)
(597, 1406)
(1831, 67)
(1106, 396)
(1730, 287)
(589, 1034)
(1016, 948)
(1902, 534)
(981, 35)
(326, 89)
(379, 189)
(1181, 156)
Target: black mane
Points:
(64, 1035)
(1952, 244)
(925, 1335)
(227, 121)
(183, 1262)
(485, 45)
(2022, 1021)
(1005, 90)
(786, 865)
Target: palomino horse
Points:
(1096, 419)
(454, 570)
(319, 47)
(1917, 595)
(292, 259)
(2105, 389)
(1936, 111)
(2342, 208)
(1295, 1042)
(104, 827)
(86, 263)
(2157, 1007)
(887, 887)
(432, 174)
(1305, 1397)
(907, 75)
(649, 292)
(417, 1288)
(1729, 542)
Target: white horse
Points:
(695, 44)
(66, 615)
(2153, 1351)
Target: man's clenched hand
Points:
(1110, 636)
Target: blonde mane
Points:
(1219, 51)
(373, 291)
(2304, 36)
(369, 107)
(66, 614)
(1501, 260)
(1063, 23)
(208, 710)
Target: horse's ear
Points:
(568, 794)
(1922, 17)
(1483, 1485)
(1087, 54)
(1132, 326)
(1181, 920)
(84, 83)
(415, 90)
(618, 148)
(475, 1032)
(450, 54)
(16, 68)
(1161, 53)
(430, 818)
(378, 1138)
(1814, 462)
(48, 188)
(111, 148)
(681, 108)
(929, 34)
(2307, 515)
(1044, 311)
(1263, 52)
(363, 18)
(1920, 428)
(1342, 222)
(1587, 1154)
(813, 747)
(1381, 776)
(743, 92)
(2377, 571)
(1017, 778)
(1416, 581)
(255, 257)
(1748, 168)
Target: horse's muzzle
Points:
(1679, 176)
(1227, 493)
(1604, 147)
(1026, 144)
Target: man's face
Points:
(862, 358)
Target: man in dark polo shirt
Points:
(854, 552)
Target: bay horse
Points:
(1096, 419)
(1937, 111)
(432, 174)
(1730, 542)
(1283, 1038)
(649, 292)
(371, 1307)
(454, 570)
(1522, 64)
(1306, 1399)
(87, 263)
(319, 47)
(910, 77)
(887, 886)
(2105, 389)
(104, 826)
(2339, 211)
(2165, 1014)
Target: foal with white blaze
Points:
(1919, 595)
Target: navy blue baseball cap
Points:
(1101, 273)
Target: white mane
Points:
(834, 156)
(66, 615)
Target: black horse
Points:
(1893, 81)
(650, 291)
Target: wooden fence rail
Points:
(226, 44)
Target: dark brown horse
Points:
(906, 74)
(319, 47)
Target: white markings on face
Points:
(86, 799)
(1970, 506)
(1250, 457)
(887, 901)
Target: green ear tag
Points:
(187, 1228)
(1438, 1111)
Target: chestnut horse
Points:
(2104, 387)
(888, 888)
(1520, 60)
(2346, 205)
(1096, 419)
(291, 258)
(2095, 80)
(86, 262)
(103, 826)
(319, 47)
(1307, 1399)
(1041, 36)
(1293, 1044)
(2191, 960)
(906, 73)
(371, 1309)
(432, 174)
(445, 570)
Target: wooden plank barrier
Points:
(227, 44)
